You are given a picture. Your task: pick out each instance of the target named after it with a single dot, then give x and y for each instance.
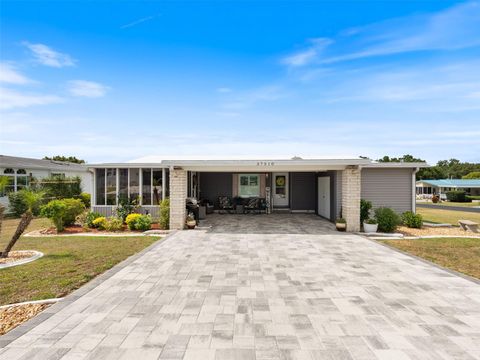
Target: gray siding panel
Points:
(388, 187)
(107, 210)
(213, 185)
(302, 191)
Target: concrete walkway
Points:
(207, 295)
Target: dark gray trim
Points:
(72, 297)
(425, 261)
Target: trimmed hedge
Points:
(457, 196)
(388, 220)
(412, 220)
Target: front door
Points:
(280, 190)
(324, 196)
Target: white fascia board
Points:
(404, 165)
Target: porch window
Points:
(249, 185)
(100, 186)
(123, 184)
(134, 183)
(146, 187)
(112, 185)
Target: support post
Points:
(178, 196)
(351, 189)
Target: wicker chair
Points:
(225, 205)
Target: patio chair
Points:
(225, 205)
(255, 205)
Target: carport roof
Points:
(264, 164)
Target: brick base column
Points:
(351, 187)
(178, 195)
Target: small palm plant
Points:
(32, 199)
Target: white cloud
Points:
(8, 74)
(87, 88)
(457, 27)
(49, 57)
(308, 55)
(14, 99)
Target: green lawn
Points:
(69, 262)
(460, 254)
(447, 216)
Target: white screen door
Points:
(324, 196)
(280, 190)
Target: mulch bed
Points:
(16, 256)
(77, 229)
(429, 231)
(13, 316)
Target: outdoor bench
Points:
(468, 225)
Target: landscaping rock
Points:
(13, 316)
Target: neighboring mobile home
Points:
(327, 187)
(427, 188)
(21, 171)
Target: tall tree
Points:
(62, 158)
(444, 169)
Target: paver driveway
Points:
(211, 295)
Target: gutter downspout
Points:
(414, 190)
(93, 195)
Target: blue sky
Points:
(116, 81)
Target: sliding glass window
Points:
(146, 187)
(111, 186)
(122, 184)
(100, 186)
(134, 183)
(157, 186)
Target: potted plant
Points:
(341, 224)
(191, 222)
(370, 226)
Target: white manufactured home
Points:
(328, 187)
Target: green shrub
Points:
(164, 219)
(126, 206)
(365, 207)
(74, 207)
(143, 223)
(100, 223)
(55, 211)
(412, 220)
(388, 220)
(473, 197)
(63, 212)
(86, 199)
(457, 196)
(113, 224)
(371, 221)
(91, 216)
(18, 203)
